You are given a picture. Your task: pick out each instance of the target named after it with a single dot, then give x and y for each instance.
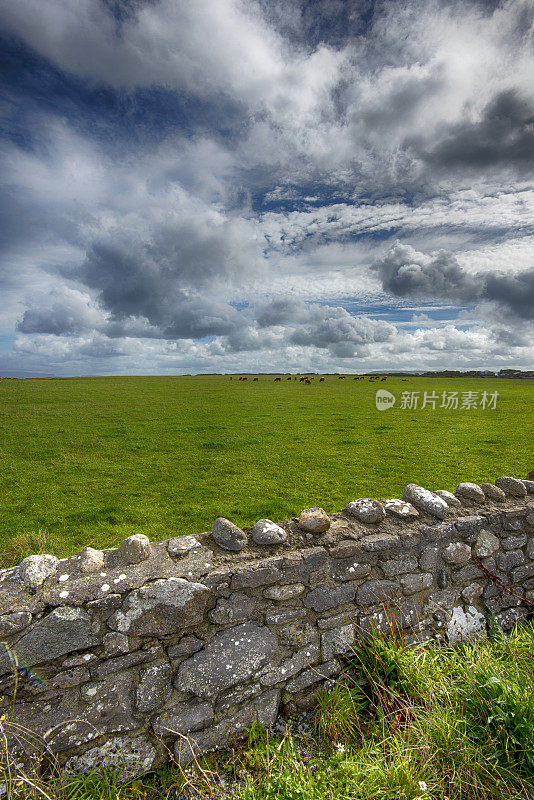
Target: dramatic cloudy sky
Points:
(225, 185)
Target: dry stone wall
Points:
(129, 656)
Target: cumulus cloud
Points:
(407, 273)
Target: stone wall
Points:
(128, 656)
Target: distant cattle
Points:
(301, 380)
(308, 381)
(255, 379)
(277, 379)
(341, 377)
(321, 380)
(383, 379)
(288, 379)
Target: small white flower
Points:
(422, 786)
(340, 748)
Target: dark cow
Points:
(277, 379)
(321, 380)
(255, 379)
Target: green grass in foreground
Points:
(427, 722)
(93, 460)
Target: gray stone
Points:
(62, 631)
(267, 532)
(193, 715)
(280, 617)
(261, 709)
(314, 559)
(472, 593)
(457, 553)
(251, 578)
(154, 687)
(486, 545)
(306, 657)
(115, 644)
(180, 546)
(417, 582)
(530, 548)
(529, 486)
(34, 570)
(514, 542)
(69, 678)
(109, 601)
(449, 498)
(285, 592)
(399, 566)
(378, 542)
(79, 660)
(91, 560)
(134, 549)
(237, 608)
(185, 647)
(511, 486)
(121, 663)
(469, 527)
(374, 592)
(323, 598)
(108, 712)
(313, 675)
(496, 598)
(507, 561)
(236, 695)
(14, 623)
(471, 491)
(314, 520)
(230, 657)
(400, 509)
(161, 607)
(520, 574)
(228, 536)
(390, 620)
(493, 492)
(337, 641)
(366, 510)
(512, 522)
(464, 624)
(348, 569)
(510, 617)
(429, 559)
(128, 758)
(425, 500)
(436, 533)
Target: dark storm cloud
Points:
(279, 311)
(504, 136)
(405, 272)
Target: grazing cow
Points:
(341, 377)
(301, 380)
(277, 379)
(383, 379)
(288, 379)
(321, 380)
(245, 379)
(404, 379)
(255, 379)
(308, 382)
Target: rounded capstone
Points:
(471, 491)
(492, 492)
(91, 560)
(400, 509)
(265, 531)
(135, 549)
(181, 545)
(511, 486)
(315, 520)
(228, 536)
(366, 510)
(425, 500)
(449, 498)
(34, 570)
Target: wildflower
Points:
(2, 718)
(340, 748)
(422, 786)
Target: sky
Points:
(266, 185)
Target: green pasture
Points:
(93, 460)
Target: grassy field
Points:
(93, 460)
